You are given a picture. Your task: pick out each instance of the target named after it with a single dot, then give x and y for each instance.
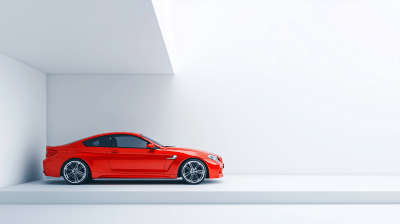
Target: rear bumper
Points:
(52, 166)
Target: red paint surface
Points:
(115, 162)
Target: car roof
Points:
(109, 133)
(99, 135)
(116, 133)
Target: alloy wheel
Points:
(193, 172)
(75, 172)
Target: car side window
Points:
(103, 141)
(128, 141)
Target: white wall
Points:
(84, 36)
(83, 105)
(274, 87)
(22, 122)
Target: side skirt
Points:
(96, 175)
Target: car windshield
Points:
(153, 141)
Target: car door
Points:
(129, 154)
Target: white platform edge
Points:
(231, 190)
(201, 198)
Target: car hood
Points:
(189, 150)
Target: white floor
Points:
(21, 207)
(193, 214)
(232, 189)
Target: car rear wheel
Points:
(76, 171)
(193, 171)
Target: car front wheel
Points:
(193, 171)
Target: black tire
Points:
(193, 171)
(76, 171)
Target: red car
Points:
(129, 155)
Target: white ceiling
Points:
(84, 36)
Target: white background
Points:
(22, 122)
(274, 87)
(84, 36)
(290, 88)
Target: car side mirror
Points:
(151, 146)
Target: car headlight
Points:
(215, 158)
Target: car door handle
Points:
(115, 151)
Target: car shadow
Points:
(132, 182)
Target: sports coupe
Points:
(128, 155)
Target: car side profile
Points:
(129, 155)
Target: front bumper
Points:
(215, 169)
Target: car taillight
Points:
(50, 152)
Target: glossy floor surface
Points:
(196, 214)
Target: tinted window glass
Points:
(129, 141)
(103, 141)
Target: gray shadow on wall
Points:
(33, 168)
